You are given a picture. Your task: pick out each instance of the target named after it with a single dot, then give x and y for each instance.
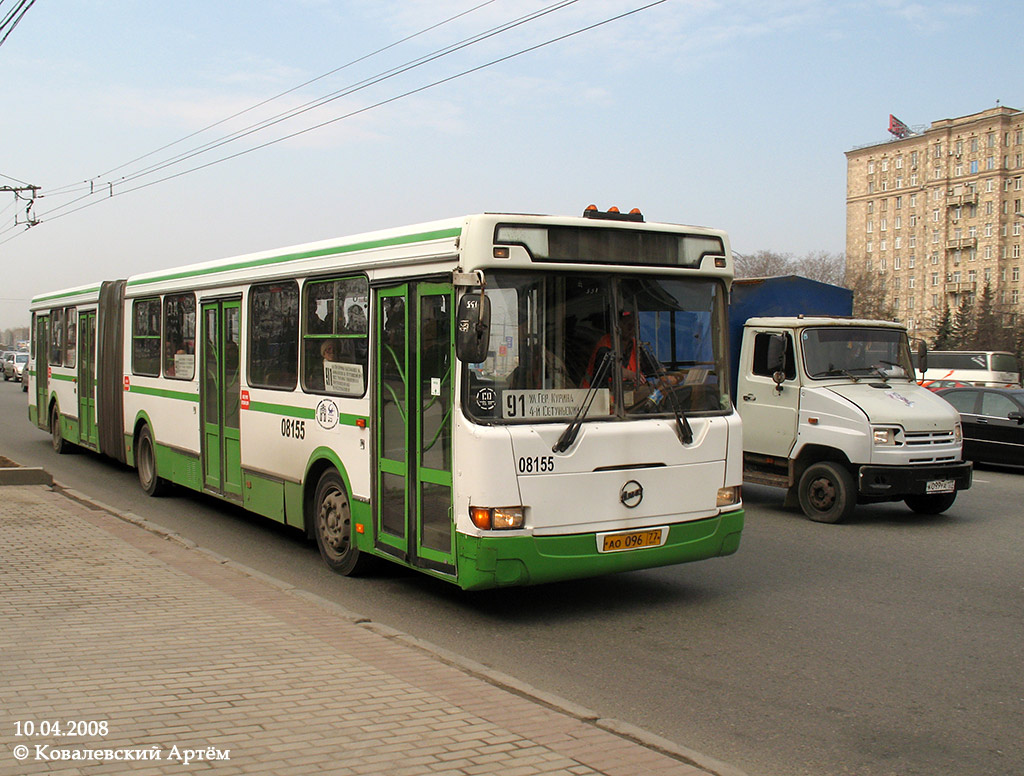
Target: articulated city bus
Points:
(493, 400)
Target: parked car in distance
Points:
(993, 423)
(14, 367)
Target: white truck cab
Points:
(832, 412)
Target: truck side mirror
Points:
(473, 328)
(922, 357)
(777, 357)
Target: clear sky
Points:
(730, 113)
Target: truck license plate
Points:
(631, 540)
(940, 486)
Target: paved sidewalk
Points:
(131, 650)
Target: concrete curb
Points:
(464, 664)
(25, 475)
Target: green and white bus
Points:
(494, 400)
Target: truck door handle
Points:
(749, 397)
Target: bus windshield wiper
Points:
(683, 429)
(573, 429)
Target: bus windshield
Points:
(857, 352)
(629, 345)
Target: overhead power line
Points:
(108, 187)
(12, 17)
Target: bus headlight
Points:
(497, 518)
(727, 497)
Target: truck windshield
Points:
(857, 352)
(660, 341)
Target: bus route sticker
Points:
(327, 414)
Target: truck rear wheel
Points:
(826, 493)
(930, 503)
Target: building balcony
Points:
(961, 288)
(959, 243)
(961, 200)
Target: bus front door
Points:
(88, 433)
(413, 421)
(221, 397)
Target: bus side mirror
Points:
(473, 328)
(777, 358)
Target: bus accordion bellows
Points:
(493, 400)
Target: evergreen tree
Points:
(988, 330)
(944, 332)
(963, 325)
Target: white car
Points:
(15, 366)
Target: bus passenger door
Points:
(41, 354)
(413, 421)
(221, 397)
(87, 430)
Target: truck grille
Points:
(926, 444)
(925, 439)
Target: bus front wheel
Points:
(332, 525)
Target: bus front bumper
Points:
(503, 561)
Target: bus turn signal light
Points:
(497, 518)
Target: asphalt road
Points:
(890, 645)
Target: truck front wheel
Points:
(930, 503)
(826, 493)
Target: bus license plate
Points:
(940, 486)
(631, 540)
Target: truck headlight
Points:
(958, 433)
(886, 437)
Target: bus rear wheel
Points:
(60, 444)
(332, 525)
(145, 458)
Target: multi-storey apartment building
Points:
(937, 214)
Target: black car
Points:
(993, 421)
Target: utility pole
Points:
(26, 193)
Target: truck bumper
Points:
(895, 482)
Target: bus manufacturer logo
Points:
(327, 414)
(632, 494)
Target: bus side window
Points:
(274, 335)
(335, 336)
(180, 336)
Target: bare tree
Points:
(870, 295)
(823, 266)
(763, 264)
